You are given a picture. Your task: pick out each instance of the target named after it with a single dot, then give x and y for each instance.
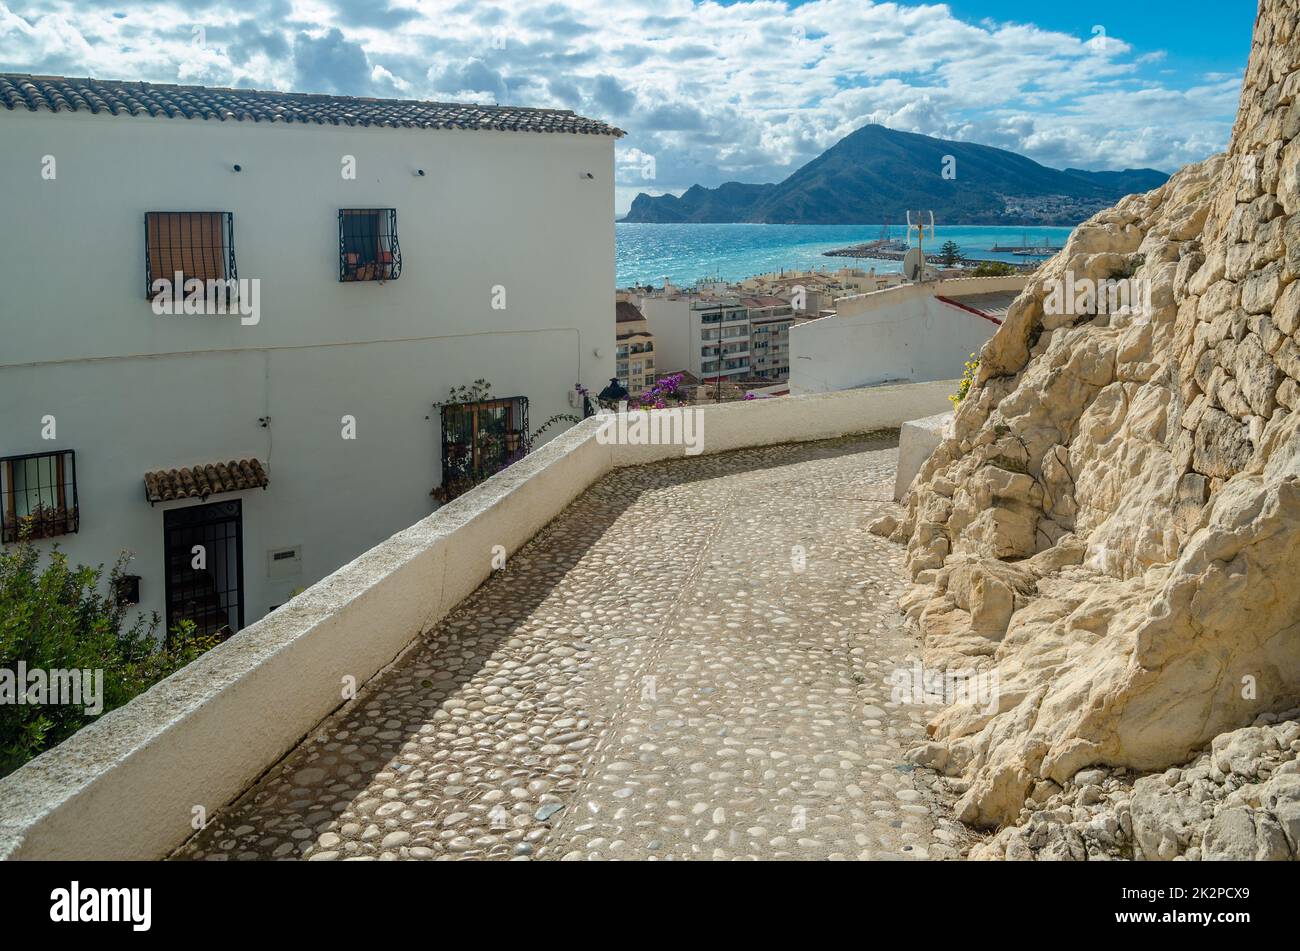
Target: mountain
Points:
(876, 174)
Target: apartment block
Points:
(770, 320)
(634, 347)
(706, 335)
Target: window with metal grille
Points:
(368, 249)
(196, 245)
(480, 439)
(38, 495)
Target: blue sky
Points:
(709, 92)
(1195, 37)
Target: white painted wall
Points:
(676, 328)
(899, 333)
(917, 441)
(132, 391)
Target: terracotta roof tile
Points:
(117, 97)
(625, 311)
(195, 482)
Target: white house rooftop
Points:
(165, 100)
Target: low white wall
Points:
(126, 786)
(784, 419)
(917, 439)
(953, 287)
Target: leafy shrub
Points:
(993, 269)
(56, 618)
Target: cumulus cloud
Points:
(744, 91)
(472, 76)
(329, 63)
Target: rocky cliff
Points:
(1114, 524)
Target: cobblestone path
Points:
(691, 662)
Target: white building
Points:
(911, 332)
(634, 351)
(770, 320)
(398, 249)
(741, 331)
(705, 335)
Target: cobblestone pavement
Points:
(691, 662)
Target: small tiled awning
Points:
(198, 482)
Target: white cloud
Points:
(712, 93)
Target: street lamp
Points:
(614, 393)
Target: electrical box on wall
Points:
(284, 562)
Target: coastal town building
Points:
(740, 331)
(770, 320)
(814, 291)
(701, 332)
(634, 356)
(909, 332)
(813, 331)
(369, 259)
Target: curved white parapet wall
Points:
(127, 786)
(917, 439)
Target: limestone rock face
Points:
(1114, 522)
(1239, 800)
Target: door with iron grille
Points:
(205, 567)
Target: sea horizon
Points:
(646, 253)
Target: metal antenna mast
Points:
(914, 261)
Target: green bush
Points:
(993, 269)
(56, 618)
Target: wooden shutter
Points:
(191, 242)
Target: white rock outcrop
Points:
(1114, 522)
(1239, 800)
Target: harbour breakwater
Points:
(859, 251)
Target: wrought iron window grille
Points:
(480, 439)
(194, 244)
(368, 248)
(38, 495)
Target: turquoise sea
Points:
(647, 253)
